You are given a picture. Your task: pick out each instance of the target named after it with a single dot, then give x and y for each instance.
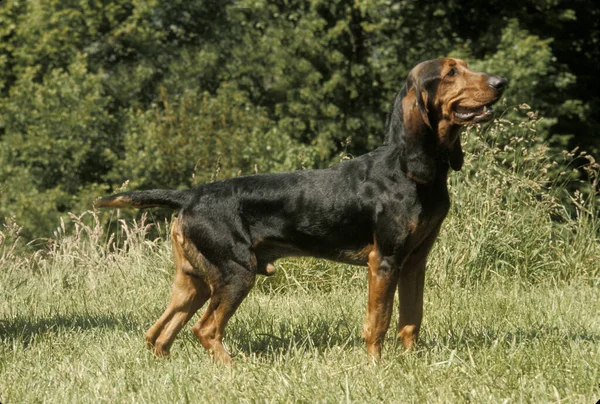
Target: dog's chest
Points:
(410, 217)
(430, 211)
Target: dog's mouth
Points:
(482, 113)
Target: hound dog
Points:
(382, 210)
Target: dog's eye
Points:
(451, 72)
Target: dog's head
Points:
(439, 97)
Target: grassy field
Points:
(511, 309)
(79, 338)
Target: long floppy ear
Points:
(422, 99)
(419, 138)
(456, 157)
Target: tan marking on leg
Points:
(410, 290)
(382, 283)
(224, 302)
(188, 295)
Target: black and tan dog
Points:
(382, 210)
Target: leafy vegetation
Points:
(96, 93)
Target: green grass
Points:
(83, 341)
(511, 306)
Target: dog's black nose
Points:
(497, 83)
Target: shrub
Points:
(182, 141)
(56, 146)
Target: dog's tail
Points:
(173, 199)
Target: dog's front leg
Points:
(410, 291)
(383, 278)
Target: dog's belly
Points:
(271, 250)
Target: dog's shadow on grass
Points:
(27, 329)
(289, 342)
(290, 339)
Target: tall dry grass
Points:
(518, 211)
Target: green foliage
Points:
(534, 76)
(166, 93)
(183, 140)
(57, 144)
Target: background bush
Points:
(172, 94)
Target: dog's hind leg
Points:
(189, 293)
(223, 304)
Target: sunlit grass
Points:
(489, 342)
(511, 306)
